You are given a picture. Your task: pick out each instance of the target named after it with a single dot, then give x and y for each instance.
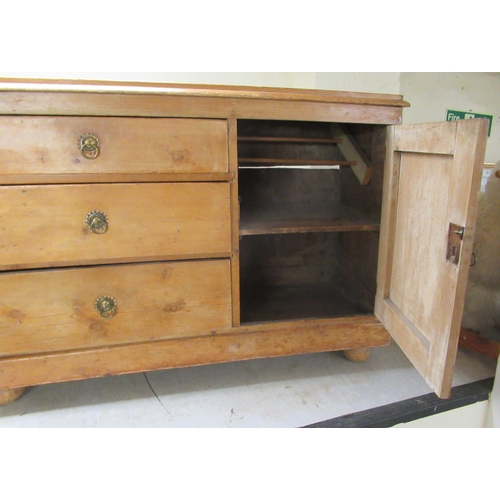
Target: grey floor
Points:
(272, 393)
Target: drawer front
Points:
(52, 226)
(57, 310)
(53, 145)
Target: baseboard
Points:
(411, 409)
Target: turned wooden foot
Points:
(8, 396)
(357, 355)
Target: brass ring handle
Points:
(97, 222)
(106, 306)
(89, 146)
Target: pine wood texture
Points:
(350, 149)
(235, 217)
(8, 396)
(42, 178)
(420, 294)
(50, 145)
(44, 226)
(475, 343)
(202, 90)
(296, 218)
(54, 310)
(357, 355)
(250, 342)
(83, 98)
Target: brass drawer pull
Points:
(89, 146)
(106, 306)
(97, 222)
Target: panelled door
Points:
(432, 181)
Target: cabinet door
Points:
(432, 180)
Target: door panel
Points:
(412, 261)
(433, 175)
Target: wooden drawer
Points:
(51, 145)
(55, 309)
(45, 226)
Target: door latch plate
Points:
(455, 238)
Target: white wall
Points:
(430, 94)
(262, 79)
(356, 82)
(384, 83)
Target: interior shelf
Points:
(243, 162)
(289, 144)
(292, 140)
(298, 218)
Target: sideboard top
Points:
(146, 99)
(202, 90)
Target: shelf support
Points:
(352, 151)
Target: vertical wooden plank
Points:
(232, 126)
(388, 217)
(385, 310)
(470, 148)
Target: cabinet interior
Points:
(308, 228)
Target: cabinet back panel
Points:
(289, 259)
(357, 265)
(293, 276)
(289, 186)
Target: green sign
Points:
(452, 115)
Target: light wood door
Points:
(432, 180)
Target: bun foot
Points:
(357, 355)
(8, 396)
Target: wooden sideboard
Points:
(150, 226)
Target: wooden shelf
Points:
(264, 149)
(243, 162)
(302, 219)
(292, 161)
(291, 140)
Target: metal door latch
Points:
(455, 238)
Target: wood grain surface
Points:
(55, 310)
(51, 145)
(44, 226)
